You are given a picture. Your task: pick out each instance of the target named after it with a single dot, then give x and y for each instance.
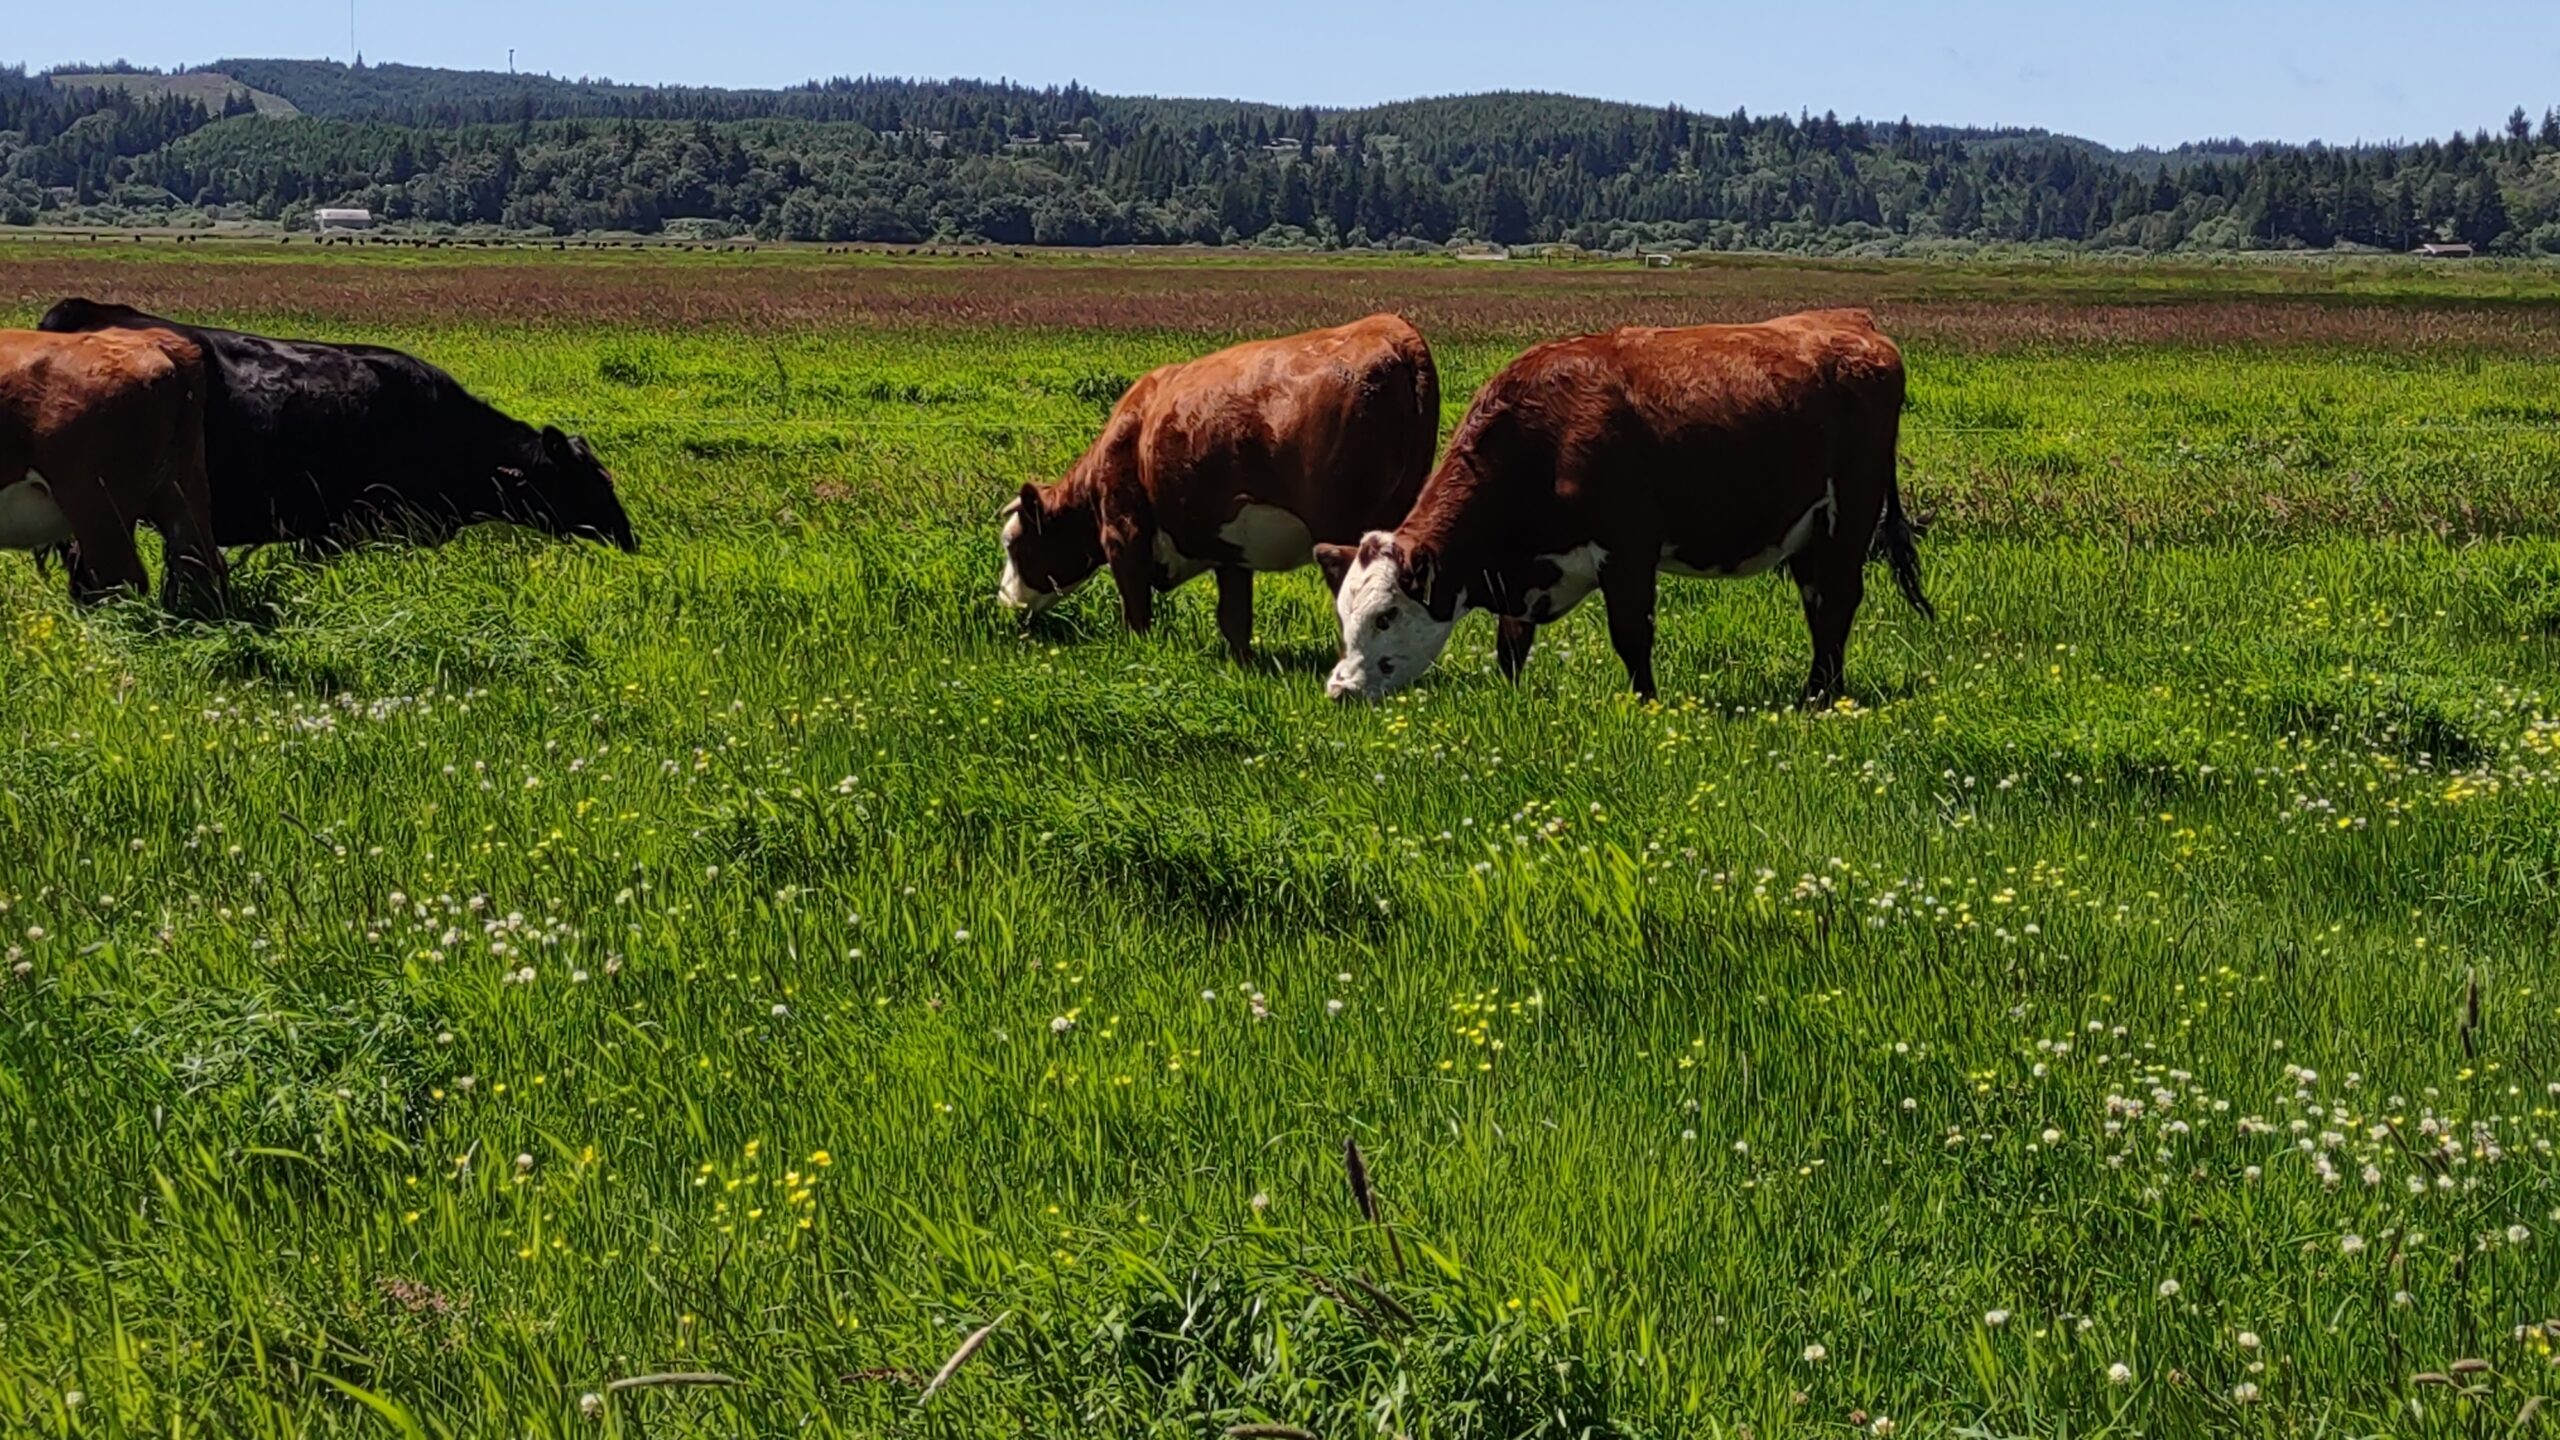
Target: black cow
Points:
(327, 445)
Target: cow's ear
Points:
(1027, 505)
(1335, 562)
(1419, 574)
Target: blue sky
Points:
(2124, 74)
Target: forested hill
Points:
(906, 161)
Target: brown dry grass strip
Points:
(1945, 308)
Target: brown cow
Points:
(1235, 462)
(1596, 462)
(98, 432)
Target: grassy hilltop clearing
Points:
(496, 972)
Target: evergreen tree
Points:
(1502, 214)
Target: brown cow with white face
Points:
(1597, 462)
(99, 433)
(1235, 462)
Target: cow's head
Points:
(1049, 550)
(1397, 611)
(568, 492)
(76, 313)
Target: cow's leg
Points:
(1627, 588)
(1832, 584)
(194, 580)
(1511, 642)
(1235, 611)
(103, 558)
(1133, 570)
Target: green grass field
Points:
(496, 972)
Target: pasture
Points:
(486, 974)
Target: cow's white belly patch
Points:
(1266, 536)
(1172, 566)
(1270, 538)
(29, 520)
(1578, 574)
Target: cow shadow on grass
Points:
(1293, 657)
(1063, 627)
(1755, 694)
(246, 604)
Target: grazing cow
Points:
(1235, 462)
(1595, 462)
(98, 432)
(328, 445)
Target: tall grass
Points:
(496, 973)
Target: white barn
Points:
(326, 220)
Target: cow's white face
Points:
(1011, 589)
(1014, 588)
(1389, 636)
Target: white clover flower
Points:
(2517, 1234)
(2119, 1374)
(2245, 1393)
(2351, 1245)
(1061, 1024)
(2249, 1341)
(1995, 1318)
(2051, 1136)
(591, 1404)
(1814, 1354)
(2168, 1289)
(524, 1163)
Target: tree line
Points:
(906, 162)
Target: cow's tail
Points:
(1896, 538)
(1902, 553)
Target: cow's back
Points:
(53, 382)
(1711, 442)
(303, 437)
(1336, 426)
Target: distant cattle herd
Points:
(1588, 464)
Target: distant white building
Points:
(2446, 250)
(326, 220)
